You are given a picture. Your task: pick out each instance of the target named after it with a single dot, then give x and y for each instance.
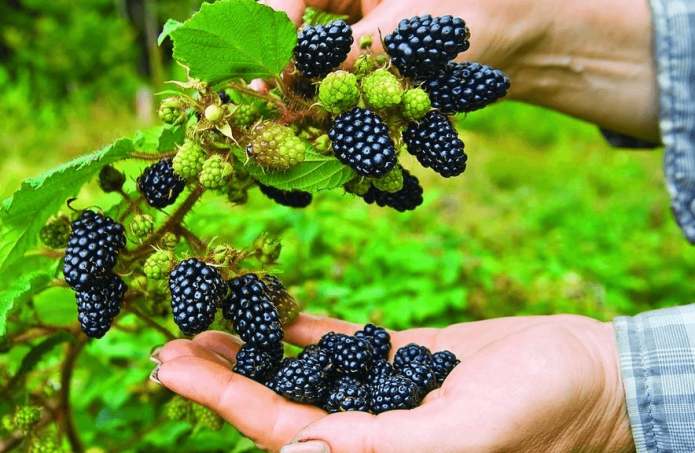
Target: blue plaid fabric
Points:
(657, 365)
(674, 47)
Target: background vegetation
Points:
(546, 219)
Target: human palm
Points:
(530, 384)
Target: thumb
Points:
(344, 432)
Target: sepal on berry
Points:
(172, 111)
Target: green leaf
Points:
(315, 16)
(317, 172)
(21, 289)
(169, 26)
(23, 214)
(235, 39)
(170, 137)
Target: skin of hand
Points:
(587, 58)
(524, 385)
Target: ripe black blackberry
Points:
(435, 143)
(302, 381)
(361, 140)
(160, 184)
(393, 392)
(381, 368)
(256, 364)
(92, 250)
(196, 291)
(352, 356)
(422, 375)
(321, 48)
(423, 45)
(465, 87)
(347, 394)
(378, 337)
(291, 198)
(254, 317)
(318, 354)
(411, 353)
(97, 306)
(224, 97)
(406, 199)
(330, 340)
(443, 362)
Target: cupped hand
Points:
(528, 384)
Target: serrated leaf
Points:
(235, 39)
(169, 26)
(317, 172)
(21, 289)
(23, 214)
(315, 16)
(170, 137)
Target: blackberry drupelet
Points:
(378, 337)
(321, 48)
(290, 198)
(361, 140)
(422, 375)
(443, 362)
(381, 368)
(423, 45)
(256, 364)
(347, 394)
(465, 87)
(352, 356)
(393, 392)
(160, 184)
(97, 306)
(436, 145)
(411, 353)
(406, 199)
(318, 354)
(196, 291)
(92, 250)
(302, 381)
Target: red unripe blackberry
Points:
(347, 394)
(435, 143)
(465, 87)
(321, 48)
(196, 291)
(302, 381)
(393, 392)
(255, 363)
(423, 45)
(97, 306)
(443, 362)
(290, 198)
(378, 337)
(160, 185)
(93, 247)
(406, 199)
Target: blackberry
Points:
(465, 87)
(287, 306)
(394, 392)
(382, 89)
(416, 103)
(110, 179)
(443, 362)
(380, 368)
(347, 394)
(302, 381)
(206, 418)
(338, 91)
(256, 364)
(97, 306)
(391, 182)
(254, 317)
(224, 97)
(406, 199)
(330, 340)
(160, 184)
(422, 375)
(26, 417)
(423, 45)
(142, 225)
(361, 140)
(318, 354)
(352, 356)
(321, 48)
(435, 143)
(93, 247)
(196, 291)
(378, 337)
(275, 146)
(158, 265)
(290, 198)
(178, 408)
(215, 173)
(411, 353)
(189, 160)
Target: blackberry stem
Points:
(290, 95)
(150, 156)
(193, 241)
(149, 321)
(246, 90)
(66, 421)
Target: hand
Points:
(530, 384)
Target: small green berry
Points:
(26, 417)
(110, 179)
(188, 160)
(338, 91)
(45, 443)
(216, 172)
(178, 408)
(169, 240)
(365, 41)
(172, 111)
(142, 225)
(268, 248)
(8, 422)
(207, 418)
(364, 64)
(159, 265)
(245, 115)
(275, 146)
(322, 143)
(56, 233)
(416, 103)
(358, 186)
(391, 181)
(213, 113)
(382, 89)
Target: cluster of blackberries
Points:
(160, 185)
(93, 247)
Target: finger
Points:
(308, 329)
(255, 410)
(187, 348)
(222, 343)
(293, 8)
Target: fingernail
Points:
(154, 357)
(154, 375)
(313, 446)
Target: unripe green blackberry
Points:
(178, 408)
(110, 179)
(142, 225)
(215, 172)
(338, 91)
(189, 160)
(275, 146)
(225, 255)
(359, 186)
(8, 422)
(56, 233)
(26, 417)
(45, 443)
(268, 248)
(214, 113)
(364, 64)
(207, 418)
(416, 103)
(169, 240)
(366, 41)
(245, 115)
(159, 265)
(172, 111)
(382, 89)
(391, 182)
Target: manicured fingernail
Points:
(313, 446)
(154, 375)
(154, 357)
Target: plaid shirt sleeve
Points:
(674, 49)
(657, 365)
